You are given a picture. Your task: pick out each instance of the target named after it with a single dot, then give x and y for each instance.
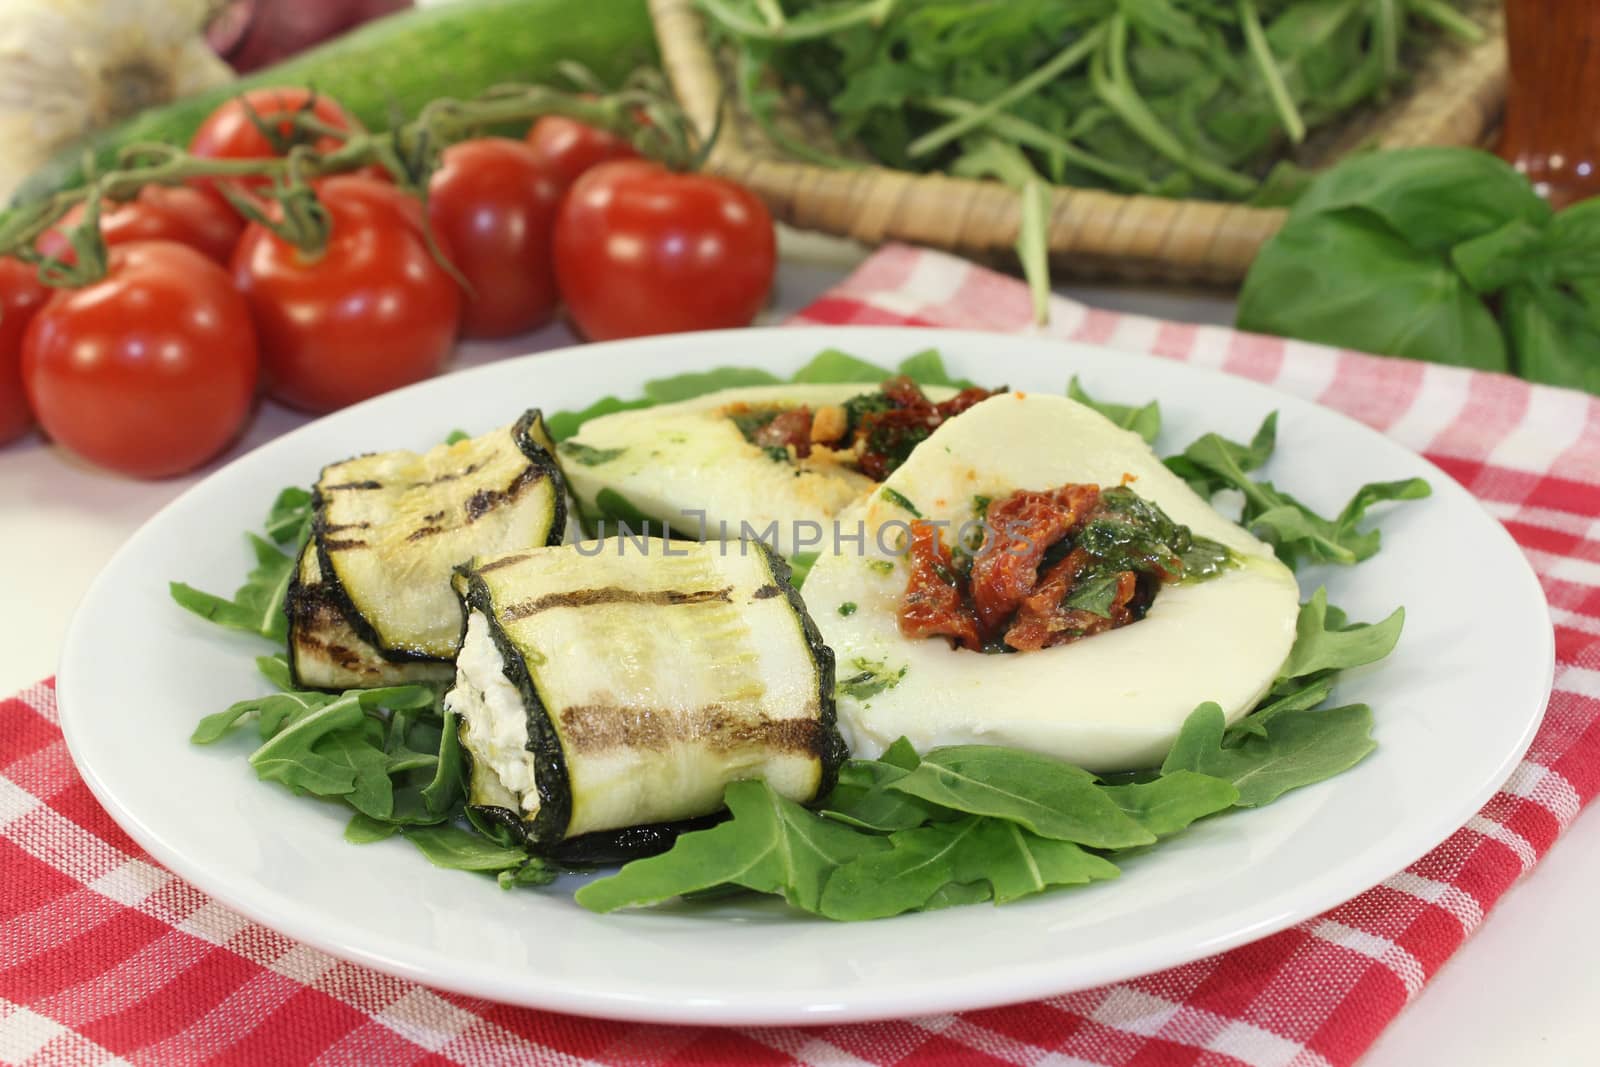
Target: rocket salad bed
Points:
(903, 832)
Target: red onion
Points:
(257, 33)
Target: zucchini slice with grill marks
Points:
(325, 651)
(390, 528)
(620, 684)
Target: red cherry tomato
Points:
(372, 312)
(21, 294)
(642, 250)
(230, 133)
(495, 207)
(188, 216)
(567, 147)
(149, 371)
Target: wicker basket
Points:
(1456, 99)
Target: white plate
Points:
(1457, 705)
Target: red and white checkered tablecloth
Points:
(106, 958)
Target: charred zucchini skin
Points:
(610, 846)
(546, 831)
(549, 824)
(534, 441)
(831, 751)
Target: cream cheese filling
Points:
(491, 709)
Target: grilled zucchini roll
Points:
(624, 683)
(372, 603)
(326, 651)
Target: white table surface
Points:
(1525, 990)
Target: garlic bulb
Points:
(68, 67)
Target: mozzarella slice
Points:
(688, 465)
(1114, 701)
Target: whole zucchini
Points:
(397, 64)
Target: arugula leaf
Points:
(369, 789)
(1048, 796)
(448, 785)
(800, 565)
(698, 383)
(834, 366)
(901, 754)
(1295, 532)
(455, 849)
(289, 520)
(1173, 801)
(968, 852)
(1293, 694)
(1198, 464)
(321, 743)
(1144, 421)
(564, 424)
(771, 845)
(862, 798)
(533, 872)
(589, 456)
(363, 829)
(275, 669)
(831, 365)
(1322, 644)
(257, 606)
(1300, 748)
(927, 368)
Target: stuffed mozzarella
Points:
(784, 459)
(1113, 598)
(615, 685)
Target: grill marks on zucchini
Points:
(373, 593)
(597, 727)
(647, 680)
(580, 598)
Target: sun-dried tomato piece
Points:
(1020, 529)
(949, 409)
(1043, 619)
(933, 605)
(792, 427)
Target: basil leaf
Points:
(1349, 281)
(1433, 198)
